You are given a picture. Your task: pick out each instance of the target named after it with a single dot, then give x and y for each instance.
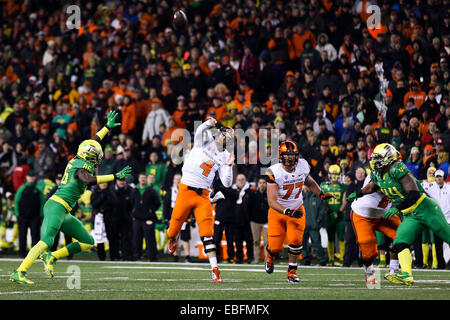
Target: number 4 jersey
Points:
(204, 160)
(371, 206)
(290, 184)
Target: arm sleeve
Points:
(198, 137)
(226, 175)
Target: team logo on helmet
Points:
(382, 156)
(287, 149)
(90, 150)
(334, 173)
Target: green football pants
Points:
(428, 215)
(56, 218)
(335, 223)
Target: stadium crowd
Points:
(305, 68)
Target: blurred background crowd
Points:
(305, 68)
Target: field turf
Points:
(182, 281)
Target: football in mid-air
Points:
(179, 20)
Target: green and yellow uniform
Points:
(57, 215)
(57, 209)
(86, 209)
(45, 186)
(424, 213)
(334, 219)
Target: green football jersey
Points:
(71, 188)
(45, 186)
(390, 183)
(336, 189)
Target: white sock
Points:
(368, 269)
(394, 266)
(213, 262)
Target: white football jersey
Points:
(371, 206)
(290, 184)
(440, 195)
(204, 160)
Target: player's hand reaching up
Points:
(230, 160)
(125, 172)
(111, 120)
(212, 121)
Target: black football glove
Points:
(293, 213)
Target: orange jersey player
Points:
(286, 217)
(198, 172)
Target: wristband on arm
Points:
(105, 178)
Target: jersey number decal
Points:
(336, 200)
(384, 202)
(290, 188)
(66, 174)
(206, 166)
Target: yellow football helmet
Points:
(382, 156)
(334, 173)
(90, 150)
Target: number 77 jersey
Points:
(290, 184)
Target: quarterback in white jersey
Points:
(367, 217)
(286, 218)
(199, 169)
(205, 159)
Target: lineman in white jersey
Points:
(207, 156)
(286, 218)
(367, 217)
(439, 191)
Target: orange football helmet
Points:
(288, 148)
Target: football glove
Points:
(111, 120)
(352, 196)
(391, 212)
(326, 195)
(293, 213)
(125, 172)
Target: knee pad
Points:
(208, 244)
(399, 247)
(295, 249)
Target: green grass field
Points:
(181, 281)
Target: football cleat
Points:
(370, 278)
(382, 264)
(20, 277)
(292, 276)
(337, 263)
(215, 273)
(400, 278)
(269, 263)
(172, 245)
(49, 263)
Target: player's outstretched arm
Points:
(314, 187)
(226, 171)
(198, 136)
(91, 180)
(110, 124)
